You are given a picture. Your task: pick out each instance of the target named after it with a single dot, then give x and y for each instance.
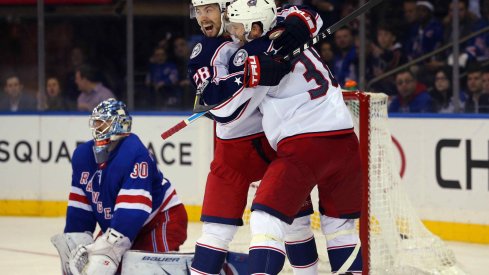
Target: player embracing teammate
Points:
(242, 153)
(307, 122)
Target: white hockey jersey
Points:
(239, 116)
(307, 101)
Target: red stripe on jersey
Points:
(240, 113)
(229, 100)
(217, 53)
(78, 198)
(168, 199)
(134, 199)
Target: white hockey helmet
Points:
(222, 6)
(222, 3)
(248, 12)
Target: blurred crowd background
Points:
(68, 55)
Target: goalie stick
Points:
(200, 110)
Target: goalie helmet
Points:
(109, 122)
(248, 12)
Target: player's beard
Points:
(211, 28)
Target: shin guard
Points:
(212, 247)
(301, 247)
(267, 251)
(343, 245)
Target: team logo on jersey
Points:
(240, 57)
(196, 50)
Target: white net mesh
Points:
(399, 242)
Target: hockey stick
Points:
(322, 35)
(200, 110)
(182, 124)
(313, 41)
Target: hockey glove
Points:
(264, 70)
(293, 32)
(102, 257)
(65, 243)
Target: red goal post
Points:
(363, 134)
(394, 240)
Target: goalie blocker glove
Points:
(101, 257)
(297, 28)
(264, 70)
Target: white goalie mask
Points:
(222, 6)
(110, 121)
(243, 13)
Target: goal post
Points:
(362, 129)
(394, 240)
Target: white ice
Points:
(25, 248)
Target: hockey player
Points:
(117, 185)
(306, 120)
(242, 152)
(307, 115)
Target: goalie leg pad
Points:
(212, 247)
(140, 262)
(343, 244)
(301, 246)
(65, 243)
(267, 251)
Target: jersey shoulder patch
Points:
(196, 50)
(255, 47)
(204, 50)
(240, 57)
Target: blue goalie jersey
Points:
(125, 195)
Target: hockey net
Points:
(394, 240)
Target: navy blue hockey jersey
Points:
(125, 195)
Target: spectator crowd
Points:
(398, 32)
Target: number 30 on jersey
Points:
(140, 170)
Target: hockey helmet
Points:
(247, 12)
(110, 120)
(222, 6)
(222, 3)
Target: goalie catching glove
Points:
(264, 70)
(297, 28)
(102, 257)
